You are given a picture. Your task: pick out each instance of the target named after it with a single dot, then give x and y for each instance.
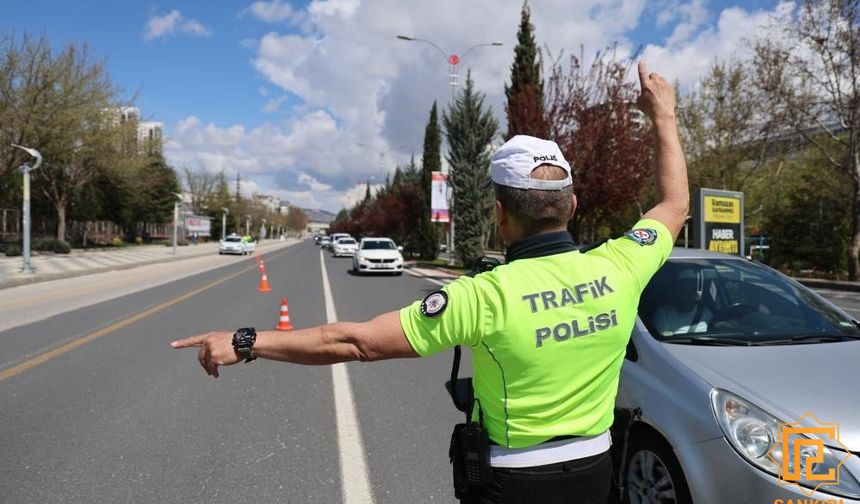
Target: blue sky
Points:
(285, 92)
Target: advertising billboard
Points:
(719, 221)
(439, 198)
(198, 224)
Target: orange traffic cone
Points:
(261, 266)
(284, 323)
(264, 284)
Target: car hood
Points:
(380, 254)
(346, 245)
(787, 380)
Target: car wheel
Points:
(652, 473)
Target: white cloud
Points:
(275, 11)
(686, 59)
(360, 84)
(693, 15)
(343, 8)
(168, 24)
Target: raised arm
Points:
(377, 339)
(657, 101)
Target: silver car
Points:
(726, 355)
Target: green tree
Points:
(524, 108)
(56, 103)
(427, 234)
(155, 193)
(200, 184)
(807, 65)
(470, 127)
(724, 137)
(807, 214)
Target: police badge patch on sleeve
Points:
(434, 303)
(642, 236)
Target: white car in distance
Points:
(232, 244)
(378, 255)
(344, 247)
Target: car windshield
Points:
(346, 241)
(378, 245)
(705, 301)
(232, 239)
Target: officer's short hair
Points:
(538, 210)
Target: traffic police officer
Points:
(547, 330)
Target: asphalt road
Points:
(124, 418)
(96, 407)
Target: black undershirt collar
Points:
(540, 245)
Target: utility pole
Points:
(224, 213)
(453, 61)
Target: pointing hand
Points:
(657, 97)
(216, 349)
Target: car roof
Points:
(381, 238)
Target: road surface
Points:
(96, 407)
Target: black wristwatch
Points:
(243, 340)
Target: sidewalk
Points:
(80, 262)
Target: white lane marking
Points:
(353, 467)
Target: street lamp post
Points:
(224, 213)
(176, 219)
(262, 231)
(25, 168)
(453, 61)
(248, 225)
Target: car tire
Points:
(651, 460)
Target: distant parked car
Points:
(378, 255)
(344, 247)
(232, 244)
(727, 351)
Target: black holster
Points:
(470, 455)
(469, 452)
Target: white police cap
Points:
(513, 163)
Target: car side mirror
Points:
(400, 248)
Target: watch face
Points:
(244, 338)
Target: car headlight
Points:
(754, 434)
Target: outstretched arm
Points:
(377, 339)
(657, 101)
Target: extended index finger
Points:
(643, 72)
(193, 341)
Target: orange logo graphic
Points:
(800, 449)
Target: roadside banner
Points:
(439, 198)
(199, 224)
(719, 221)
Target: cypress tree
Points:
(524, 107)
(470, 127)
(428, 234)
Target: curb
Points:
(27, 280)
(830, 284)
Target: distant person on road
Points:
(547, 330)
